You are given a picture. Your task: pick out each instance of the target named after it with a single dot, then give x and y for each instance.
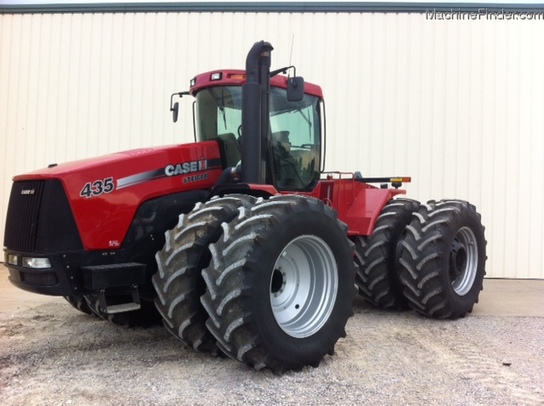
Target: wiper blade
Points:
(220, 103)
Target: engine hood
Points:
(104, 193)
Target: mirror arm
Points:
(174, 106)
(282, 70)
(180, 95)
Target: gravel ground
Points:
(50, 354)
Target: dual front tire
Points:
(278, 276)
(280, 284)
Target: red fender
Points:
(358, 204)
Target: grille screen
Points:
(40, 219)
(22, 217)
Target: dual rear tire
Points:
(442, 256)
(376, 255)
(429, 257)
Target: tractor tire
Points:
(79, 303)
(442, 258)
(377, 279)
(280, 284)
(178, 281)
(146, 316)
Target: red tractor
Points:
(240, 242)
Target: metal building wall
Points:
(458, 105)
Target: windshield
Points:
(295, 138)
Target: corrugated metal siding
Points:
(458, 105)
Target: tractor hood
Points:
(104, 193)
(135, 156)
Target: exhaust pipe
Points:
(255, 113)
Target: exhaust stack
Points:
(255, 113)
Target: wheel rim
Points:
(303, 286)
(463, 261)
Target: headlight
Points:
(12, 259)
(36, 263)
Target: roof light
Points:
(216, 76)
(239, 76)
(193, 82)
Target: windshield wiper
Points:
(219, 102)
(308, 121)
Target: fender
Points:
(364, 212)
(358, 204)
(251, 189)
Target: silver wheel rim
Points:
(303, 286)
(463, 261)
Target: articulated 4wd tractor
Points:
(240, 242)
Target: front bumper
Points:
(66, 276)
(56, 280)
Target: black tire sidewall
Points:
(469, 219)
(274, 240)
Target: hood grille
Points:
(40, 219)
(22, 217)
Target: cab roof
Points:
(234, 77)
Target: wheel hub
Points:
(458, 259)
(463, 261)
(303, 286)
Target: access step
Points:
(120, 307)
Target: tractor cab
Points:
(290, 148)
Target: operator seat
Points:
(286, 167)
(231, 148)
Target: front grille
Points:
(23, 215)
(40, 219)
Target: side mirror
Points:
(295, 88)
(175, 111)
(174, 107)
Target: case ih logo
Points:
(28, 191)
(172, 170)
(185, 167)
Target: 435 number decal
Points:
(97, 187)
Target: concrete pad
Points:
(511, 297)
